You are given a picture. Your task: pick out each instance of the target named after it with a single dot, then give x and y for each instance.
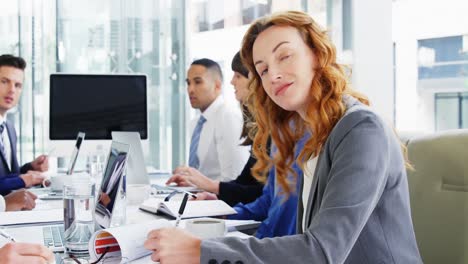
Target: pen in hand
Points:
(181, 209)
(7, 236)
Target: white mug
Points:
(137, 193)
(55, 182)
(206, 227)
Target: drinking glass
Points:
(78, 206)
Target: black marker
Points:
(181, 209)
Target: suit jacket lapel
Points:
(300, 206)
(4, 159)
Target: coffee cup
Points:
(205, 228)
(137, 193)
(55, 182)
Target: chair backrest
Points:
(439, 195)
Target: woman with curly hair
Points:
(354, 200)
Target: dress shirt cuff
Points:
(2, 204)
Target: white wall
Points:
(372, 54)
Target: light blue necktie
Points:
(194, 162)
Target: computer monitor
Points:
(97, 104)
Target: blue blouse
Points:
(274, 209)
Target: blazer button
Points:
(213, 261)
(226, 262)
(239, 262)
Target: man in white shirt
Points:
(18, 200)
(215, 136)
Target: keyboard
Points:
(54, 237)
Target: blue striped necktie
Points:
(194, 162)
(2, 146)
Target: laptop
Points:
(76, 151)
(136, 168)
(52, 236)
(57, 195)
(113, 184)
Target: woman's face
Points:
(241, 86)
(286, 66)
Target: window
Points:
(252, 10)
(347, 25)
(101, 37)
(451, 110)
(209, 15)
(445, 57)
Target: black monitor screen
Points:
(97, 105)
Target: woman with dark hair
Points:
(354, 201)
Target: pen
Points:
(170, 196)
(189, 193)
(7, 236)
(181, 209)
(177, 190)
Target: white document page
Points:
(130, 238)
(31, 217)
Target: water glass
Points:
(78, 208)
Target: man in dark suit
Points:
(12, 176)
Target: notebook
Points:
(193, 208)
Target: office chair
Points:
(439, 195)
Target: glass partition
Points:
(109, 36)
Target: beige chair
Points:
(439, 195)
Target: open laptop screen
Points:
(76, 151)
(112, 180)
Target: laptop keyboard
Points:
(53, 236)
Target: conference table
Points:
(133, 214)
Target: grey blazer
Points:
(358, 209)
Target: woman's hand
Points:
(173, 245)
(188, 176)
(206, 196)
(25, 253)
